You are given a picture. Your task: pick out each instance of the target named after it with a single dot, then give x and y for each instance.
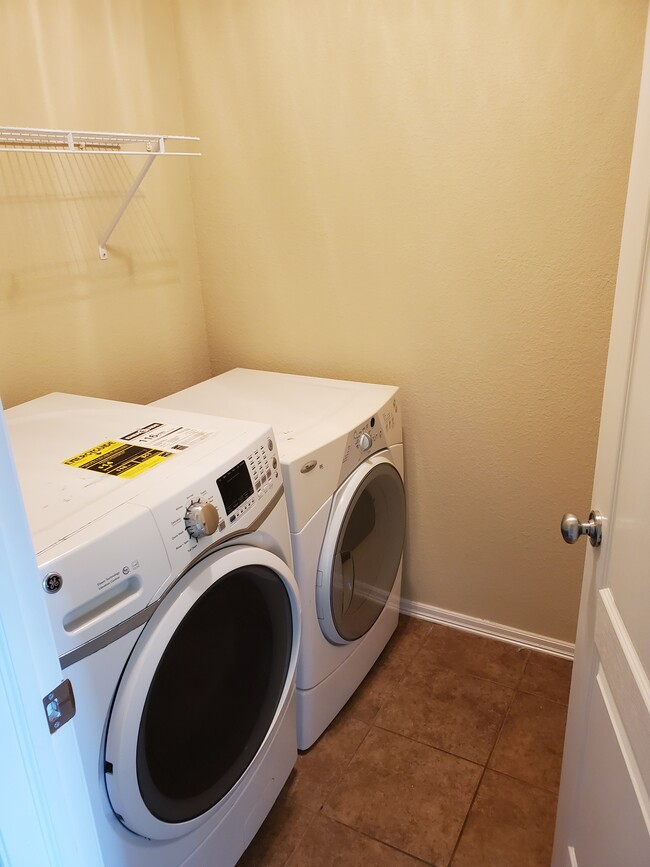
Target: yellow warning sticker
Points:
(114, 458)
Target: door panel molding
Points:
(627, 681)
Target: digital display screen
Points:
(235, 486)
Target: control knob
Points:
(365, 441)
(201, 519)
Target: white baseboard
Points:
(486, 627)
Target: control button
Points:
(365, 442)
(201, 519)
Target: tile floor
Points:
(449, 753)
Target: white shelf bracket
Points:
(84, 144)
(158, 149)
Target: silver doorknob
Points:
(572, 529)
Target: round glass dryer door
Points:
(200, 692)
(361, 551)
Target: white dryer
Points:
(168, 577)
(340, 447)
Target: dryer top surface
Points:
(305, 412)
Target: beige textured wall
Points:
(132, 326)
(426, 193)
(429, 194)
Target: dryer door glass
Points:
(214, 694)
(368, 552)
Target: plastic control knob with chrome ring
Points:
(201, 519)
(365, 441)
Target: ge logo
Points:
(52, 583)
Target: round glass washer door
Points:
(207, 679)
(362, 550)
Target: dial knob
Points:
(201, 519)
(365, 442)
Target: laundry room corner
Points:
(429, 195)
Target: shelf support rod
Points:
(158, 149)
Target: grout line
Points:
(430, 746)
(378, 840)
(563, 704)
(554, 792)
(501, 727)
(485, 768)
(301, 836)
(469, 810)
(523, 670)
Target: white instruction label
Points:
(167, 436)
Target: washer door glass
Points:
(365, 561)
(214, 694)
(199, 694)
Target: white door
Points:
(45, 811)
(604, 809)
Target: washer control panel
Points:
(218, 503)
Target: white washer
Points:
(340, 447)
(176, 616)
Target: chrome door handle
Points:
(572, 529)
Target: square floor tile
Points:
(317, 770)
(548, 676)
(405, 794)
(408, 638)
(468, 653)
(511, 824)
(447, 710)
(530, 743)
(329, 844)
(279, 835)
(375, 690)
(385, 676)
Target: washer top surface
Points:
(305, 412)
(79, 458)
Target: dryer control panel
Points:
(375, 433)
